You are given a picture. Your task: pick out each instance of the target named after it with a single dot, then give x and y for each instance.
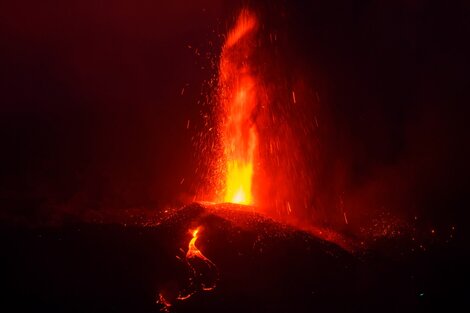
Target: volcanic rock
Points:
(260, 265)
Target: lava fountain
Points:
(238, 100)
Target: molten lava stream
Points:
(203, 273)
(238, 100)
(202, 267)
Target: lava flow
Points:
(203, 273)
(201, 265)
(238, 100)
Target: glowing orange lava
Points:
(193, 251)
(206, 272)
(203, 274)
(238, 100)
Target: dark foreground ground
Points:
(262, 266)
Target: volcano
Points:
(256, 264)
(338, 128)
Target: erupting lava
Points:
(238, 100)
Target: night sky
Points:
(93, 116)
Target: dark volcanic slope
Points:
(262, 266)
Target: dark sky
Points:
(91, 98)
(92, 114)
